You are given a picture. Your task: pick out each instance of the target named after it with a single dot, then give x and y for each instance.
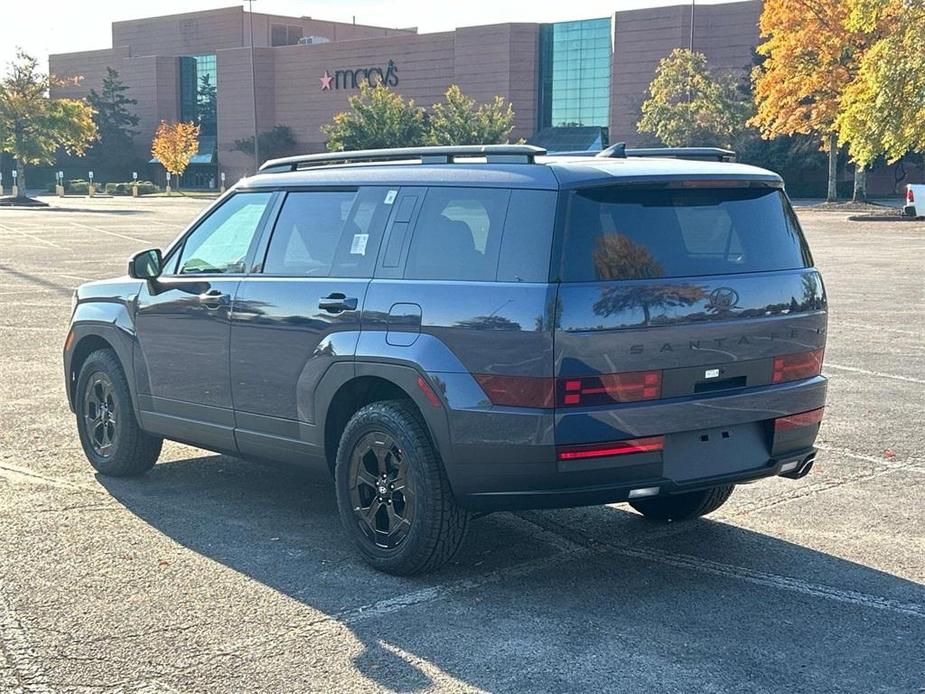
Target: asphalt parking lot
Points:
(212, 574)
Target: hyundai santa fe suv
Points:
(457, 330)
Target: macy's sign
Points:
(351, 79)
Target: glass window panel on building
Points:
(575, 73)
(198, 92)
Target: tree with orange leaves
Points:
(811, 54)
(174, 145)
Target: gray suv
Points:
(457, 330)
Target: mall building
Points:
(573, 85)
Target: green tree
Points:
(115, 122)
(883, 109)
(458, 121)
(207, 105)
(274, 143)
(687, 105)
(33, 126)
(378, 117)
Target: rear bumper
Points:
(506, 459)
(616, 492)
(910, 211)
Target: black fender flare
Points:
(109, 322)
(402, 376)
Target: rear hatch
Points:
(683, 291)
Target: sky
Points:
(60, 26)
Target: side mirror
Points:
(145, 265)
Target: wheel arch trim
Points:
(403, 377)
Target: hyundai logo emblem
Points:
(723, 298)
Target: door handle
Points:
(335, 303)
(212, 299)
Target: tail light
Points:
(794, 421)
(910, 197)
(597, 450)
(610, 388)
(518, 391)
(792, 367)
(528, 391)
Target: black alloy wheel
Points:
(393, 494)
(100, 412)
(381, 492)
(111, 437)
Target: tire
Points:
(112, 440)
(407, 522)
(679, 507)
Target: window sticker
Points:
(358, 247)
(390, 197)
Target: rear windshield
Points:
(625, 233)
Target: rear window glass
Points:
(625, 233)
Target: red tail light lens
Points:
(910, 197)
(792, 367)
(610, 388)
(794, 421)
(518, 391)
(597, 450)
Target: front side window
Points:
(458, 234)
(220, 244)
(327, 233)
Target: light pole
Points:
(691, 45)
(250, 10)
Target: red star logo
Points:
(326, 81)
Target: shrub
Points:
(144, 188)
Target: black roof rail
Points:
(507, 154)
(699, 153)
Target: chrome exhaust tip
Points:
(798, 469)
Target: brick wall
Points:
(484, 61)
(727, 34)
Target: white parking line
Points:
(445, 590)
(772, 580)
(866, 326)
(111, 233)
(33, 237)
(880, 374)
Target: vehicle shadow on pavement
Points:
(579, 599)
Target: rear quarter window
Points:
(624, 233)
(458, 234)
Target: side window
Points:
(527, 242)
(327, 233)
(458, 234)
(221, 242)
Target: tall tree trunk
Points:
(860, 183)
(21, 177)
(832, 194)
(20, 180)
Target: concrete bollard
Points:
(91, 189)
(15, 192)
(134, 190)
(59, 190)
